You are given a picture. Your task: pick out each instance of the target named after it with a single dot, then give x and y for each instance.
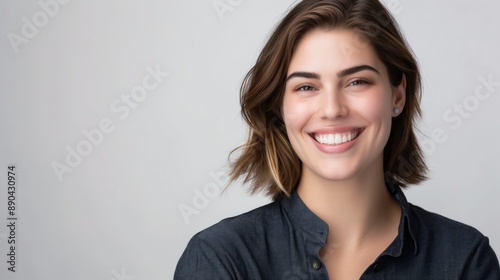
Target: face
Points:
(338, 105)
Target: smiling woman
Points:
(331, 104)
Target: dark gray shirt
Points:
(282, 240)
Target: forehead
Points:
(333, 49)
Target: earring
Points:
(396, 111)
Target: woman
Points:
(331, 104)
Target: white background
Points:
(116, 215)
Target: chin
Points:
(337, 177)
(335, 173)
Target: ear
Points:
(399, 96)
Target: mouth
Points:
(335, 139)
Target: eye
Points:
(358, 82)
(305, 88)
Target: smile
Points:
(336, 138)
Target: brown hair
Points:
(267, 159)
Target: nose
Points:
(332, 105)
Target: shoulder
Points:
(455, 244)
(251, 223)
(222, 250)
(437, 226)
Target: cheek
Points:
(376, 109)
(295, 113)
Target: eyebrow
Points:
(307, 75)
(340, 74)
(356, 69)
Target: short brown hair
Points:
(267, 159)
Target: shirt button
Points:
(316, 264)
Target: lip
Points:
(336, 149)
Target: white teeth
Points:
(330, 138)
(337, 138)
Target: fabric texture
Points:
(282, 240)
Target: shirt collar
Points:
(408, 227)
(317, 229)
(304, 218)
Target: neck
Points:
(357, 210)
